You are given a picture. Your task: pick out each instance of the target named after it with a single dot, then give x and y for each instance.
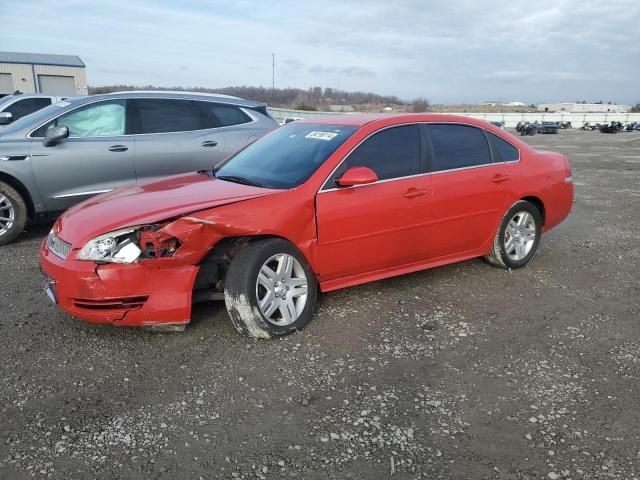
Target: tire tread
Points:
(496, 255)
(20, 211)
(246, 317)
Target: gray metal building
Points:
(42, 73)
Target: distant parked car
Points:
(613, 127)
(13, 107)
(526, 128)
(72, 150)
(498, 124)
(548, 127)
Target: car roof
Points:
(28, 95)
(366, 118)
(180, 94)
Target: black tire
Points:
(240, 294)
(498, 255)
(17, 203)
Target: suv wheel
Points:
(13, 214)
(270, 290)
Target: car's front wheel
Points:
(518, 236)
(270, 290)
(13, 214)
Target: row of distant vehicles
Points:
(532, 128)
(612, 127)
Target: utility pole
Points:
(273, 71)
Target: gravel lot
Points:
(465, 371)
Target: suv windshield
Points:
(285, 158)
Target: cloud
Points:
(293, 63)
(353, 71)
(350, 71)
(463, 51)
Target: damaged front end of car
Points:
(145, 275)
(135, 276)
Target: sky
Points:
(446, 51)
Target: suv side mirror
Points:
(54, 135)
(357, 176)
(6, 118)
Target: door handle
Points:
(209, 143)
(500, 178)
(414, 192)
(118, 148)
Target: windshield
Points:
(287, 157)
(33, 119)
(5, 100)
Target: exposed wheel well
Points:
(215, 264)
(22, 190)
(539, 205)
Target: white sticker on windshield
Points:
(321, 135)
(62, 104)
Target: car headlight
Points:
(114, 247)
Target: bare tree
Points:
(420, 105)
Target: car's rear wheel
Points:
(270, 290)
(518, 237)
(13, 214)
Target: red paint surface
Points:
(349, 236)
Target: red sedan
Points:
(317, 204)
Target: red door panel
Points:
(467, 206)
(372, 227)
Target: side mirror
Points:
(6, 118)
(357, 176)
(54, 135)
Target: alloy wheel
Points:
(520, 235)
(7, 214)
(281, 289)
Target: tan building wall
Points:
(583, 108)
(23, 76)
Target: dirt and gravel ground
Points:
(465, 371)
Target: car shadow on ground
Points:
(34, 232)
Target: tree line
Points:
(315, 97)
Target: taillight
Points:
(569, 177)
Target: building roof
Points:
(41, 59)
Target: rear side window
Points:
(24, 107)
(391, 153)
(218, 115)
(506, 152)
(156, 115)
(458, 146)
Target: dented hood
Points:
(150, 203)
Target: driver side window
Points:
(100, 119)
(391, 153)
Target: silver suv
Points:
(69, 151)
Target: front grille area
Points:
(58, 247)
(131, 303)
